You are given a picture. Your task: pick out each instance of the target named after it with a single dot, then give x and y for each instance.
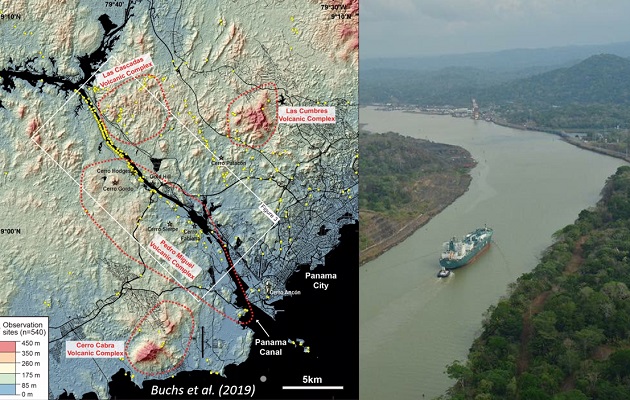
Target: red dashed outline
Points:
(169, 279)
(109, 93)
(227, 116)
(223, 244)
(170, 184)
(135, 330)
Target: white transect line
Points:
(73, 95)
(195, 136)
(214, 155)
(234, 265)
(112, 217)
(84, 190)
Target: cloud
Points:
(460, 10)
(465, 11)
(480, 10)
(413, 27)
(389, 10)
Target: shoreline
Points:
(376, 250)
(569, 139)
(562, 134)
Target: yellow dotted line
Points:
(101, 127)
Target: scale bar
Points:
(312, 387)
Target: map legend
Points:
(7, 368)
(23, 362)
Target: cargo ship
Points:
(458, 253)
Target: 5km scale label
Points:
(23, 358)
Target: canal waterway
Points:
(526, 186)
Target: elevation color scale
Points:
(23, 358)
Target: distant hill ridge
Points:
(599, 79)
(513, 59)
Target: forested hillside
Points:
(404, 182)
(564, 330)
(600, 79)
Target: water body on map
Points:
(526, 186)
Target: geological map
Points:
(178, 198)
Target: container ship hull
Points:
(460, 253)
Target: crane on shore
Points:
(475, 109)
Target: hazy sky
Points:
(426, 27)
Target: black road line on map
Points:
(173, 31)
(151, 17)
(88, 63)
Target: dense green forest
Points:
(594, 94)
(391, 164)
(454, 86)
(577, 117)
(600, 79)
(404, 179)
(564, 330)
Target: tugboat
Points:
(458, 253)
(444, 273)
